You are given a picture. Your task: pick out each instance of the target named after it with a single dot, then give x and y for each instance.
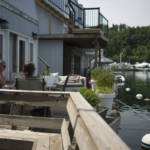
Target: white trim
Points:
(6, 49)
(17, 33)
(3, 44)
(19, 38)
(31, 42)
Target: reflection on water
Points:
(135, 118)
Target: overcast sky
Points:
(130, 12)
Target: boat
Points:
(119, 77)
(141, 67)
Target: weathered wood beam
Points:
(80, 129)
(65, 135)
(29, 121)
(8, 91)
(33, 100)
(97, 47)
(90, 130)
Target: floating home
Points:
(59, 32)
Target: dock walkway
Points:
(73, 123)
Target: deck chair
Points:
(30, 84)
(62, 88)
(33, 84)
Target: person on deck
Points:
(28, 69)
(2, 78)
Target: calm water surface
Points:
(135, 120)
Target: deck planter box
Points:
(107, 100)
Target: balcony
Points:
(79, 16)
(93, 18)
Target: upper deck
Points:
(75, 15)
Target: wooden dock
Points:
(71, 125)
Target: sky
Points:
(130, 12)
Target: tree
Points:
(135, 41)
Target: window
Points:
(13, 46)
(1, 46)
(21, 54)
(31, 52)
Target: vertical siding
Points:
(44, 20)
(52, 52)
(47, 25)
(57, 27)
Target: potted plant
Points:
(93, 99)
(104, 85)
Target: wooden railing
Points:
(82, 128)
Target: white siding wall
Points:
(26, 6)
(47, 23)
(57, 26)
(52, 52)
(16, 19)
(44, 20)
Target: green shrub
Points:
(90, 96)
(105, 78)
(95, 73)
(105, 89)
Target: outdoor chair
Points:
(62, 87)
(70, 82)
(30, 84)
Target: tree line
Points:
(133, 43)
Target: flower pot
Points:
(107, 100)
(93, 85)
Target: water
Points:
(135, 118)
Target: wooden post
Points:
(97, 47)
(100, 58)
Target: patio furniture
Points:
(30, 84)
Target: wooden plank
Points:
(31, 97)
(55, 142)
(83, 138)
(89, 128)
(33, 100)
(29, 121)
(5, 91)
(65, 135)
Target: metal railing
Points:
(83, 17)
(68, 8)
(45, 63)
(93, 18)
(103, 24)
